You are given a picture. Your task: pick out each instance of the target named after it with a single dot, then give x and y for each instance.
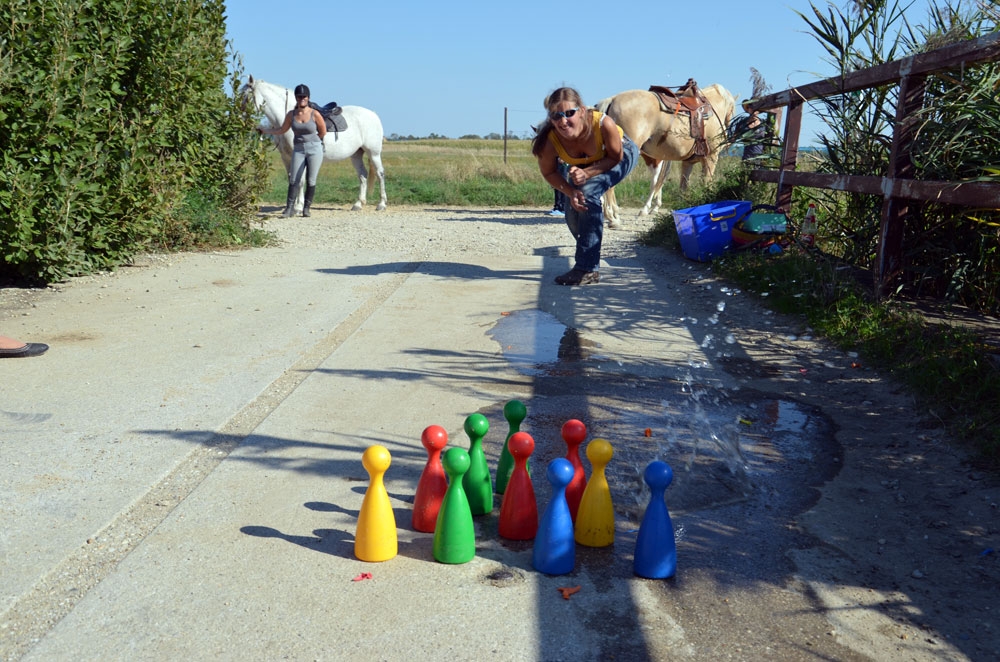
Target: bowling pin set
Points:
(456, 485)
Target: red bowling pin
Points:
(519, 511)
(433, 481)
(573, 433)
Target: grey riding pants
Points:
(307, 157)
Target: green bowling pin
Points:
(515, 412)
(478, 482)
(454, 534)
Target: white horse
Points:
(663, 137)
(362, 136)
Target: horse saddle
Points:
(333, 114)
(688, 99)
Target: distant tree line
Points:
(524, 135)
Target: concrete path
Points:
(182, 474)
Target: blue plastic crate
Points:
(706, 231)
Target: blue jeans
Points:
(588, 226)
(307, 157)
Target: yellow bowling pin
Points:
(595, 521)
(375, 539)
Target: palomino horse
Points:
(362, 136)
(664, 137)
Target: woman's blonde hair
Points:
(558, 96)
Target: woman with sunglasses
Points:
(309, 128)
(599, 156)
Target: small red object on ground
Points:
(363, 575)
(568, 591)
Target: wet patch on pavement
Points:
(739, 455)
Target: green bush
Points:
(113, 117)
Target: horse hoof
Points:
(381, 207)
(615, 224)
(357, 206)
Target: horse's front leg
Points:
(686, 168)
(300, 197)
(611, 210)
(655, 167)
(708, 166)
(660, 181)
(359, 167)
(376, 165)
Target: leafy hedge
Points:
(113, 118)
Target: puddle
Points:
(727, 450)
(723, 450)
(534, 342)
(726, 446)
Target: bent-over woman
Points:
(599, 156)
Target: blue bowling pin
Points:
(555, 546)
(655, 547)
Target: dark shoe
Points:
(29, 349)
(290, 202)
(579, 277)
(310, 192)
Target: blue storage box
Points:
(706, 231)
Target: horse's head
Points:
(271, 100)
(248, 95)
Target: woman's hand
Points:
(577, 176)
(578, 200)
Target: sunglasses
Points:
(563, 113)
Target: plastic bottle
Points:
(809, 227)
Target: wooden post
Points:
(505, 135)
(789, 153)
(894, 209)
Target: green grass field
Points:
(449, 173)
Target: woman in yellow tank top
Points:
(599, 156)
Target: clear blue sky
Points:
(451, 68)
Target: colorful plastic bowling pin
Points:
(455, 534)
(595, 521)
(655, 546)
(433, 482)
(515, 412)
(519, 511)
(573, 433)
(375, 539)
(555, 548)
(478, 482)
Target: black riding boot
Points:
(290, 203)
(310, 192)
